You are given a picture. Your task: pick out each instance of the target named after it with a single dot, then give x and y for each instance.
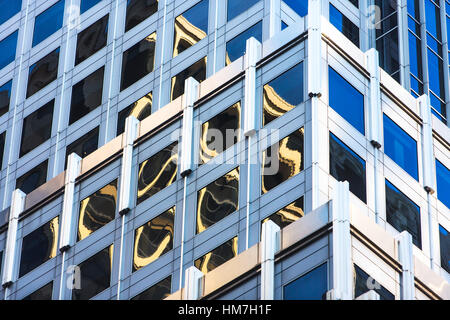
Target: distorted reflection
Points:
(97, 210)
(138, 11)
(217, 200)
(236, 47)
(197, 71)
(283, 93)
(158, 291)
(289, 157)
(284, 217)
(153, 239)
(39, 246)
(218, 256)
(91, 39)
(44, 293)
(363, 284)
(157, 172)
(140, 109)
(43, 72)
(220, 132)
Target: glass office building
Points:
(209, 139)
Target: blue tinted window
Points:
(85, 5)
(5, 97)
(236, 7)
(363, 285)
(443, 183)
(343, 24)
(299, 6)
(48, 22)
(236, 46)
(444, 241)
(283, 25)
(8, 8)
(346, 100)
(8, 49)
(400, 147)
(311, 286)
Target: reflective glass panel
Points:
(5, 97)
(95, 275)
(43, 72)
(346, 165)
(8, 49)
(48, 22)
(85, 5)
(197, 71)
(86, 95)
(444, 242)
(153, 239)
(217, 200)
(158, 291)
(220, 132)
(190, 27)
(8, 9)
(310, 286)
(443, 183)
(84, 145)
(157, 172)
(236, 47)
(218, 256)
(282, 160)
(400, 147)
(97, 210)
(39, 246)
(33, 179)
(346, 100)
(140, 109)
(138, 61)
(91, 39)
(402, 213)
(299, 6)
(364, 283)
(236, 7)
(345, 25)
(285, 216)
(2, 147)
(283, 93)
(138, 11)
(37, 128)
(44, 293)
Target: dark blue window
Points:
(346, 100)
(443, 183)
(87, 4)
(311, 286)
(343, 24)
(283, 25)
(236, 7)
(5, 97)
(363, 284)
(8, 8)
(444, 241)
(236, 46)
(48, 22)
(400, 147)
(299, 6)
(402, 213)
(8, 49)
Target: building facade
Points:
(147, 145)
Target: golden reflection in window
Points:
(185, 35)
(218, 256)
(153, 239)
(274, 105)
(285, 216)
(142, 108)
(197, 71)
(97, 210)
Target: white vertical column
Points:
(369, 295)
(10, 270)
(406, 258)
(270, 244)
(193, 284)
(429, 177)
(403, 53)
(274, 17)
(342, 250)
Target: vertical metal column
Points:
(270, 244)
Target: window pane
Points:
(345, 165)
(217, 200)
(402, 213)
(138, 11)
(39, 246)
(97, 210)
(343, 24)
(300, 7)
(5, 97)
(33, 179)
(87, 4)
(44, 293)
(311, 286)
(282, 160)
(8, 9)
(37, 128)
(2, 147)
(91, 39)
(153, 239)
(158, 291)
(43, 72)
(84, 145)
(284, 217)
(443, 183)
(218, 256)
(197, 71)
(400, 147)
(236, 47)
(190, 27)
(8, 49)
(444, 241)
(157, 172)
(48, 22)
(236, 7)
(140, 109)
(220, 132)
(346, 100)
(86, 95)
(95, 275)
(283, 93)
(138, 61)
(364, 283)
